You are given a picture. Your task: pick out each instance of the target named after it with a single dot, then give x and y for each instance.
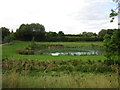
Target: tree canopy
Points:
(5, 32)
(27, 31)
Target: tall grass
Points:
(41, 66)
(73, 80)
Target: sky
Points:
(69, 16)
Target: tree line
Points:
(26, 32)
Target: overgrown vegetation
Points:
(60, 80)
(41, 66)
(59, 74)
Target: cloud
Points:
(95, 16)
(70, 16)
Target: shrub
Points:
(109, 62)
(99, 61)
(63, 68)
(82, 68)
(76, 62)
(38, 52)
(9, 38)
(95, 68)
(36, 68)
(103, 69)
(90, 62)
(24, 52)
(112, 62)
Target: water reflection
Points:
(75, 53)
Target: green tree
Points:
(112, 45)
(27, 31)
(112, 40)
(51, 36)
(9, 38)
(84, 34)
(102, 33)
(24, 33)
(88, 34)
(5, 32)
(60, 33)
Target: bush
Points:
(99, 61)
(111, 62)
(38, 53)
(95, 68)
(63, 68)
(36, 68)
(90, 62)
(9, 38)
(103, 69)
(82, 68)
(25, 52)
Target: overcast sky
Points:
(69, 16)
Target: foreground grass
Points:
(73, 80)
(58, 74)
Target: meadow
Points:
(63, 71)
(9, 51)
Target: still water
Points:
(90, 52)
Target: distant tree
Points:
(102, 33)
(5, 32)
(38, 31)
(84, 34)
(24, 33)
(9, 38)
(94, 34)
(60, 33)
(110, 31)
(88, 34)
(51, 34)
(27, 31)
(12, 31)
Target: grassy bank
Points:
(9, 51)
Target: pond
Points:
(88, 52)
(56, 50)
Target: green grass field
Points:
(9, 51)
